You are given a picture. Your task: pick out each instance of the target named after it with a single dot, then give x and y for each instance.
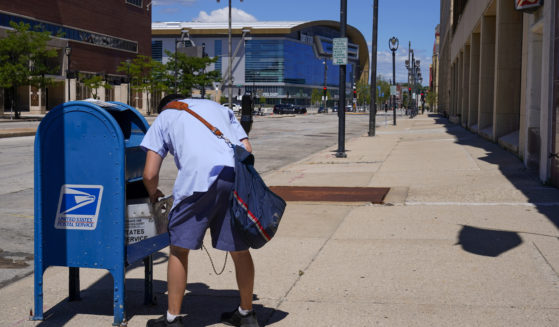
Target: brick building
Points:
(100, 35)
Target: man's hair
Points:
(167, 99)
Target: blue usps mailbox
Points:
(88, 173)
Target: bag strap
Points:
(184, 106)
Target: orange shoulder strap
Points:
(184, 106)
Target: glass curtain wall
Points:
(292, 66)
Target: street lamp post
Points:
(229, 70)
(175, 64)
(393, 45)
(203, 90)
(373, 91)
(325, 85)
(68, 51)
(129, 82)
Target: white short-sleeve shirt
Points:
(199, 154)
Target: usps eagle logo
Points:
(78, 207)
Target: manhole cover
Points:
(331, 194)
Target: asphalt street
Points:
(277, 141)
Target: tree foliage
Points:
(384, 94)
(431, 99)
(145, 75)
(93, 83)
(186, 73)
(316, 96)
(24, 59)
(363, 93)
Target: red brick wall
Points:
(110, 17)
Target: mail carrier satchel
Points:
(256, 211)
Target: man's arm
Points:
(151, 175)
(247, 144)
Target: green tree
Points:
(384, 94)
(431, 99)
(405, 99)
(363, 93)
(94, 82)
(186, 73)
(24, 60)
(146, 75)
(316, 96)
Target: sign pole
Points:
(341, 106)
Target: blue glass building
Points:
(280, 61)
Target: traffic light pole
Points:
(341, 107)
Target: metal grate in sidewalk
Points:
(331, 194)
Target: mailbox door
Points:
(79, 167)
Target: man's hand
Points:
(151, 175)
(155, 196)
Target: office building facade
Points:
(278, 61)
(499, 76)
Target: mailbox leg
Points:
(74, 284)
(148, 280)
(118, 278)
(38, 292)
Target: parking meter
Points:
(246, 113)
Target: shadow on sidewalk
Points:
(544, 198)
(202, 306)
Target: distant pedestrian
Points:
(201, 197)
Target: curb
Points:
(15, 132)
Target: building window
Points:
(157, 50)
(217, 47)
(264, 61)
(137, 3)
(73, 34)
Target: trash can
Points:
(91, 207)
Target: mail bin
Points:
(91, 207)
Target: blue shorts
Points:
(190, 219)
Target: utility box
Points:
(91, 207)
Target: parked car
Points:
(289, 109)
(322, 110)
(236, 108)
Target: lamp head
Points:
(393, 43)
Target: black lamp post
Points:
(393, 45)
(324, 90)
(129, 81)
(68, 51)
(229, 67)
(203, 90)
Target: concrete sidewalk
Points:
(466, 237)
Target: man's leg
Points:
(244, 271)
(176, 278)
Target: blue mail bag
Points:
(256, 211)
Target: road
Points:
(277, 141)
